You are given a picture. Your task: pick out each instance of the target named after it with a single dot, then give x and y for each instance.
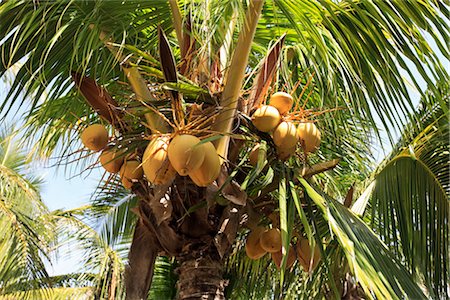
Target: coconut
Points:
(95, 137)
(185, 154)
(131, 169)
(252, 245)
(285, 135)
(210, 168)
(266, 118)
(111, 160)
(254, 155)
(281, 101)
(307, 259)
(271, 240)
(309, 136)
(278, 256)
(127, 183)
(156, 164)
(285, 153)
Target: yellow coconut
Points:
(281, 101)
(156, 164)
(271, 240)
(285, 153)
(252, 245)
(254, 154)
(266, 118)
(131, 169)
(185, 154)
(309, 136)
(127, 183)
(307, 259)
(285, 135)
(210, 168)
(111, 160)
(278, 256)
(95, 137)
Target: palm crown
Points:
(152, 68)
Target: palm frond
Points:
(164, 279)
(54, 38)
(378, 271)
(409, 201)
(76, 293)
(26, 228)
(97, 258)
(359, 52)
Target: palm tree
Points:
(32, 237)
(22, 217)
(29, 231)
(153, 68)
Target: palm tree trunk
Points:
(139, 272)
(200, 274)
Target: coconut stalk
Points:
(139, 86)
(177, 24)
(319, 168)
(225, 48)
(235, 77)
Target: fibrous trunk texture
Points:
(200, 275)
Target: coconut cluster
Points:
(271, 118)
(95, 137)
(163, 158)
(184, 154)
(261, 241)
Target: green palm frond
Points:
(48, 134)
(26, 228)
(98, 258)
(67, 286)
(111, 211)
(249, 279)
(409, 201)
(164, 279)
(54, 38)
(359, 51)
(76, 293)
(348, 58)
(377, 270)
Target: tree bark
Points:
(200, 274)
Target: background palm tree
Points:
(29, 232)
(348, 59)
